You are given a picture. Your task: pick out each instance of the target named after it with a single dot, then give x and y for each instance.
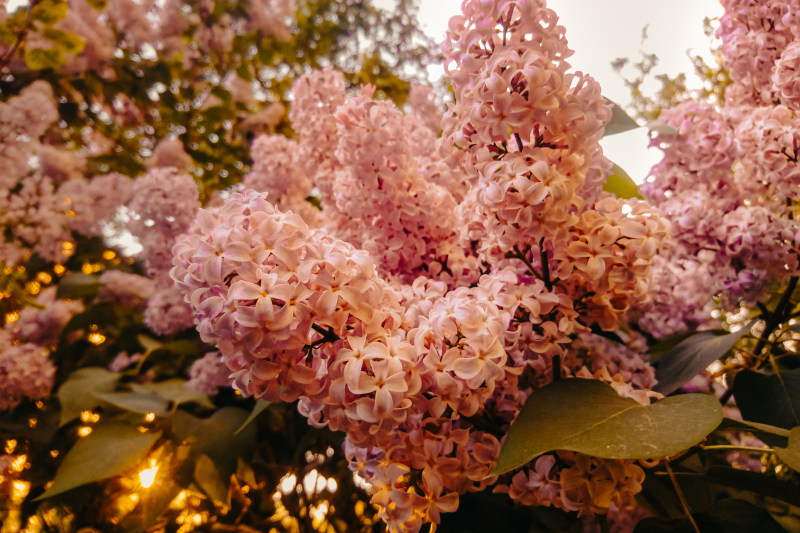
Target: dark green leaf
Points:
(692, 356)
(769, 399)
(109, 450)
(755, 482)
(78, 285)
(97, 315)
(77, 394)
(216, 435)
(664, 346)
(620, 120)
(727, 516)
(752, 427)
(257, 410)
(65, 40)
(588, 416)
(620, 184)
(43, 58)
(791, 454)
(135, 401)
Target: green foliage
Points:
(620, 121)
(769, 399)
(111, 449)
(728, 516)
(588, 416)
(49, 12)
(620, 184)
(791, 453)
(693, 355)
(257, 410)
(77, 285)
(64, 40)
(78, 392)
(43, 58)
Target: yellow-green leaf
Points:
(791, 454)
(77, 394)
(65, 40)
(49, 12)
(43, 58)
(620, 184)
(109, 450)
(588, 416)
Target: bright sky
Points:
(601, 31)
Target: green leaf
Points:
(49, 12)
(109, 450)
(588, 416)
(791, 454)
(78, 285)
(727, 516)
(175, 391)
(762, 430)
(769, 399)
(77, 394)
(43, 58)
(97, 4)
(135, 401)
(620, 184)
(7, 36)
(755, 482)
(620, 120)
(65, 40)
(664, 346)
(257, 410)
(211, 480)
(96, 315)
(216, 435)
(148, 343)
(692, 356)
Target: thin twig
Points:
(681, 497)
(729, 447)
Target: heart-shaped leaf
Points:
(769, 399)
(77, 394)
(791, 454)
(588, 416)
(109, 450)
(692, 356)
(620, 184)
(620, 120)
(216, 435)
